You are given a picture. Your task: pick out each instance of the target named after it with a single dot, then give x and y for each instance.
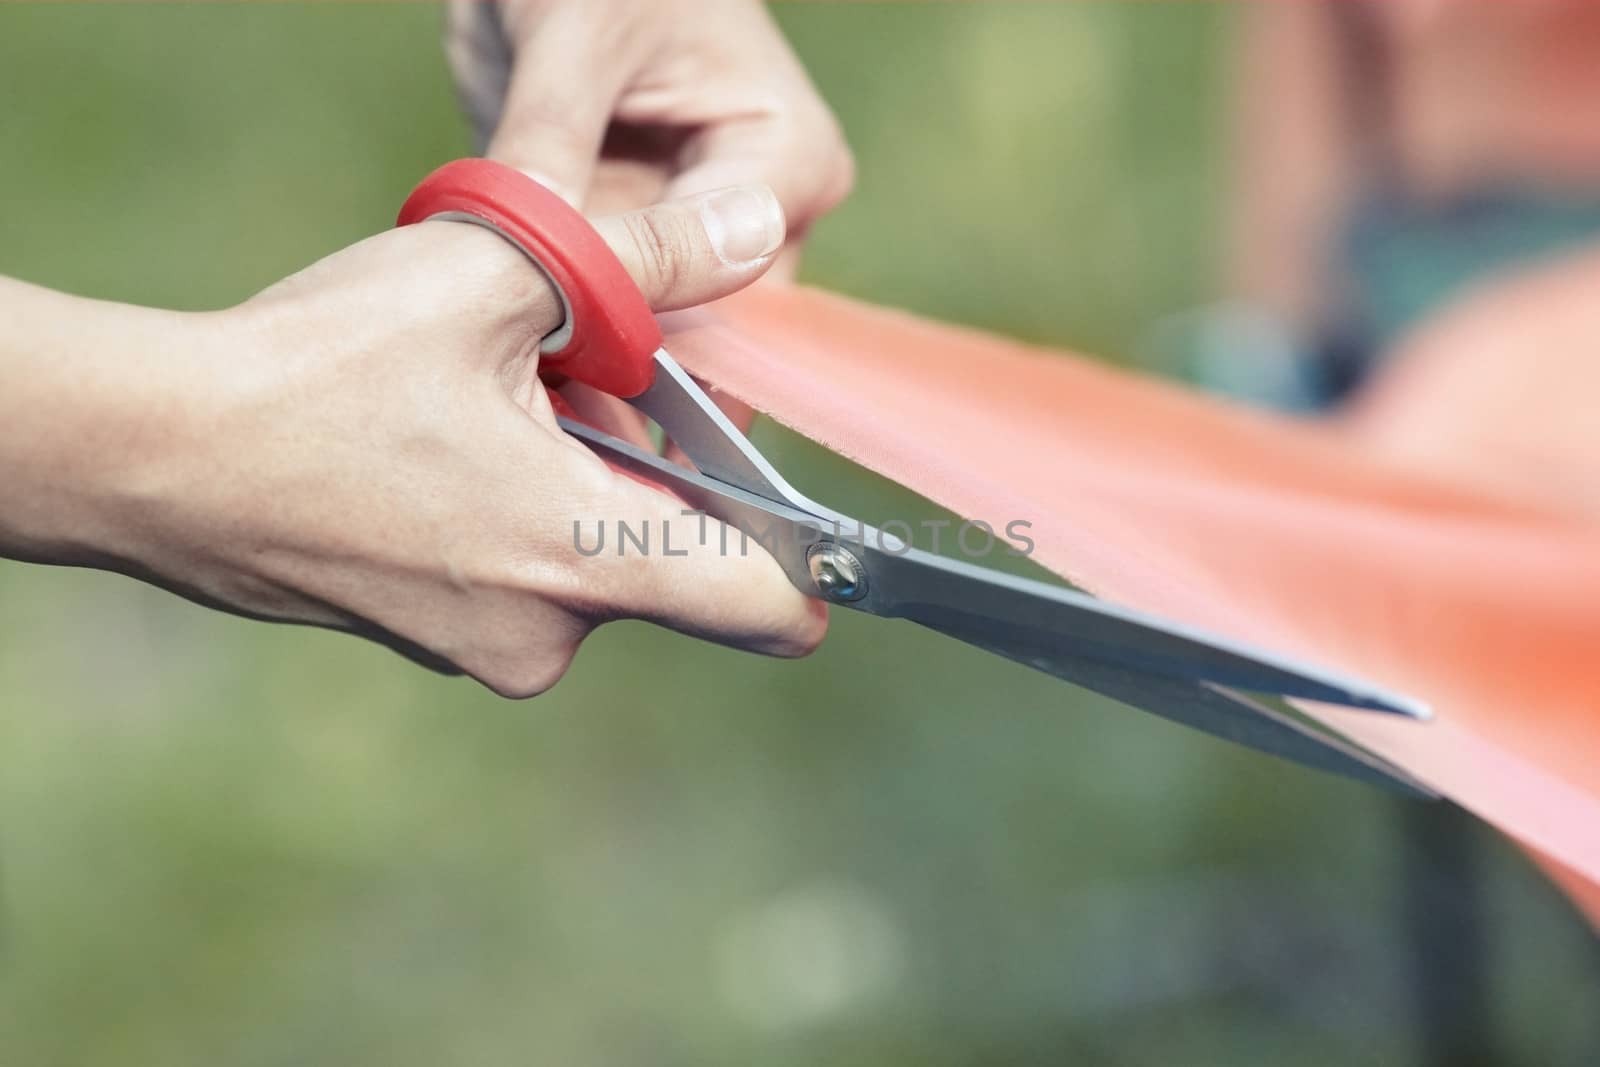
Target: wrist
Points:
(98, 405)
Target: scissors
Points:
(609, 339)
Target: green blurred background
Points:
(223, 843)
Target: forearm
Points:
(92, 402)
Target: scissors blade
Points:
(1157, 671)
(1171, 670)
(1033, 619)
(707, 436)
(1234, 717)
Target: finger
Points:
(691, 573)
(479, 54)
(605, 412)
(803, 158)
(622, 185)
(557, 108)
(787, 268)
(688, 252)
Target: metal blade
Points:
(1000, 611)
(1175, 671)
(1232, 717)
(707, 436)
(1391, 775)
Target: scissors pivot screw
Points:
(840, 577)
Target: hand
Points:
(366, 446)
(619, 103)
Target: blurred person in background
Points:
(1396, 158)
(1414, 237)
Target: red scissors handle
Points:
(610, 336)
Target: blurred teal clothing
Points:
(1399, 259)
(1394, 261)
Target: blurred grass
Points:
(229, 844)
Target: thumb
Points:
(806, 162)
(687, 252)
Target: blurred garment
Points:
(1401, 259)
(1392, 159)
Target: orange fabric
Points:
(1299, 536)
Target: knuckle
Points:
(838, 175)
(805, 635)
(811, 640)
(843, 180)
(540, 131)
(830, 163)
(531, 673)
(664, 247)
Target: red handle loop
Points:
(610, 336)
